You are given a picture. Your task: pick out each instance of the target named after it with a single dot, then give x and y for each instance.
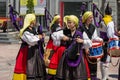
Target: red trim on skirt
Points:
(56, 57)
(21, 60)
(87, 67)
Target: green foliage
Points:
(30, 6)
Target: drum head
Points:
(114, 53)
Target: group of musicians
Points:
(67, 53)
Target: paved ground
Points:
(8, 54)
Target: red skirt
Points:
(21, 64)
(29, 64)
(50, 45)
(21, 60)
(56, 57)
(54, 61)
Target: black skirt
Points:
(66, 72)
(36, 69)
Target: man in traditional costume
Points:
(107, 32)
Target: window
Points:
(73, 8)
(3, 9)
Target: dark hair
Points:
(108, 10)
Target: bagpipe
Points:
(13, 17)
(48, 18)
(97, 15)
(83, 8)
(74, 51)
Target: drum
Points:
(114, 47)
(96, 51)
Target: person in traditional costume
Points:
(65, 21)
(107, 28)
(4, 26)
(57, 51)
(54, 26)
(51, 54)
(72, 65)
(111, 33)
(29, 62)
(90, 35)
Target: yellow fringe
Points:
(89, 78)
(52, 71)
(19, 76)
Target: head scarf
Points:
(74, 19)
(65, 20)
(27, 21)
(54, 20)
(86, 15)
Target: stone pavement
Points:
(8, 53)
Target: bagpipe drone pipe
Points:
(13, 17)
(48, 18)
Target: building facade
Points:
(69, 6)
(63, 7)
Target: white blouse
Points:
(30, 38)
(56, 37)
(87, 42)
(111, 30)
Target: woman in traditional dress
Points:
(54, 26)
(51, 55)
(72, 65)
(89, 35)
(56, 53)
(29, 62)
